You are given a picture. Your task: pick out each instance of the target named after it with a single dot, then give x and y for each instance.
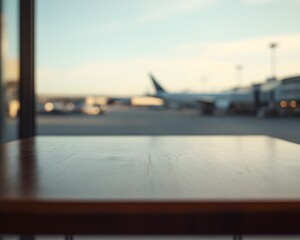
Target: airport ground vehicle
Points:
(69, 105)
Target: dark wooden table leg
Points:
(27, 237)
(69, 237)
(237, 237)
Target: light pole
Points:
(204, 84)
(273, 46)
(239, 76)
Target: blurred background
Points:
(171, 67)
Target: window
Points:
(9, 64)
(95, 57)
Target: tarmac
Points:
(139, 121)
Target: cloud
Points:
(257, 2)
(129, 76)
(169, 8)
(263, 2)
(153, 11)
(253, 53)
(185, 69)
(250, 48)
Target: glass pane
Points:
(219, 66)
(9, 70)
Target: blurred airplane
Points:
(206, 102)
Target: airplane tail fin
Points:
(158, 87)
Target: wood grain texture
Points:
(150, 185)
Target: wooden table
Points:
(150, 185)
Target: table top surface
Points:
(132, 175)
(150, 168)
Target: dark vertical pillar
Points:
(27, 96)
(2, 98)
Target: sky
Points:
(108, 47)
